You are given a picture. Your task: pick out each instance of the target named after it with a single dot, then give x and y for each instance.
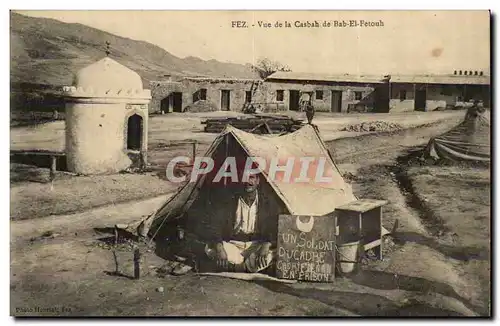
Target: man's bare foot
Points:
(180, 258)
(181, 269)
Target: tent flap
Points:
(469, 141)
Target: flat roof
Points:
(221, 79)
(442, 79)
(372, 79)
(346, 78)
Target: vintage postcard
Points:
(250, 163)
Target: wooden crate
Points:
(362, 220)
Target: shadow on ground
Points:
(388, 281)
(432, 222)
(120, 236)
(455, 252)
(23, 173)
(365, 304)
(435, 226)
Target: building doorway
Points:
(176, 101)
(294, 99)
(172, 103)
(165, 105)
(336, 102)
(420, 99)
(381, 101)
(225, 100)
(134, 132)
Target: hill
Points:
(48, 51)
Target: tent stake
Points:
(53, 167)
(137, 263)
(117, 268)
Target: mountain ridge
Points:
(48, 51)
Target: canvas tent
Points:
(304, 198)
(469, 141)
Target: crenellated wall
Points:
(106, 94)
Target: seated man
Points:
(236, 229)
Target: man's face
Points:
(252, 183)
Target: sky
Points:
(409, 42)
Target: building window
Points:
(200, 95)
(480, 73)
(203, 94)
(280, 95)
(446, 91)
(248, 97)
(455, 72)
(460, 72)
(319, 95)
(358, 96)
(402, 95)
(475, 73)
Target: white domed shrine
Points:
(106, 119)
(107, 73)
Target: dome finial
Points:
(108, 52)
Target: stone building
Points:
(427, 93)
(106, 119)
(279, 92)
(214, 94)
(329, 93)
(282, 91)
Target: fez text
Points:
(348, 23)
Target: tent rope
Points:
(196, 188)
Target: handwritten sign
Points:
(306, 248)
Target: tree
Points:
(266, 67)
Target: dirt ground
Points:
(32, 195)
(69, 194)
(436, 264)
(456, 202)
(180, 127)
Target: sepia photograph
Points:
(250, 163)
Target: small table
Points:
(364, 218)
